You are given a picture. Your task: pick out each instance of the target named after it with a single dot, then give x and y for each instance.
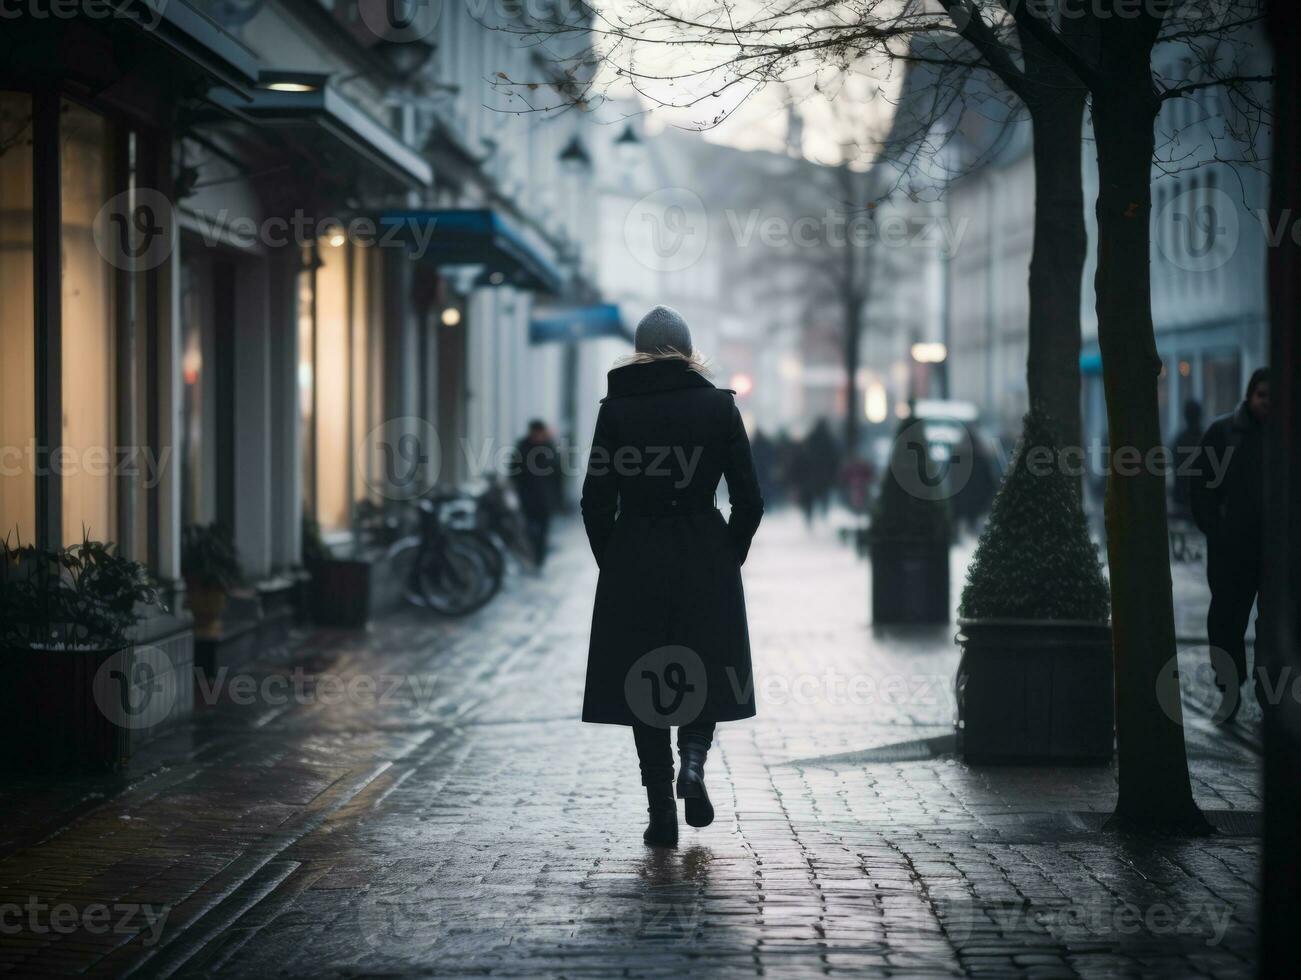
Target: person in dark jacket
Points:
(535, 471)
(670, 644)
(1186, 443)
(1227, 498)
(817, 468)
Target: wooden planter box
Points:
(1035, 691)
(910, 581)
(341, 592)
(83, 710)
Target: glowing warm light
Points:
(877, 404)
(451, 316)
(929, 352)
(1185, 369)
(191, 364)
(290, 87)
(742, 383)
(901, 410)
(335, 237)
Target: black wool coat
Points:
(669, 641)
(1231, 512)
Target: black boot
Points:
(691, 783)
(663, 809)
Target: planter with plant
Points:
(1035, 681)
(908, 540)
(210, 565)
(341, 587)
(75, 691)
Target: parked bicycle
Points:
(452, 570)
(497, 514)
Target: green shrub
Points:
(1035, 559)
(84, 596)
(208, 557)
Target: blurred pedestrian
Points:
(1186, 443)
(1228, 502)
(535, 472)
(669, 643)
(817, 464)
(972, 500)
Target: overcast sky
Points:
(837, 108)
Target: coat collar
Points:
(1243, 419)
(653, 376)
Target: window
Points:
(363, 415)
(17, 320)
(331, 383)
(89, 438)
(338, 397)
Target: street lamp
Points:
(626, 145)
(929, 352)
(574, 157)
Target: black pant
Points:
(655, 754)
(538, 526)
(1233, 572)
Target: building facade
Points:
(247, 247)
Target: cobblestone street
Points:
(422, 799)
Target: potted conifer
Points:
(74, 689)
(908, 540)
(1035, 683)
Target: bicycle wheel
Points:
(457, 576)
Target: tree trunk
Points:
(1056, 104)
(853, 347)
(1155, 792)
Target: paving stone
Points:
(470, 825)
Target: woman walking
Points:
(669, 642)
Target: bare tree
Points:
(1127, 89)
(1051, 55)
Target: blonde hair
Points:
(696, 361)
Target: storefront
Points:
(87, 268)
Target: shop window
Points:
(331, 380)
(88, 366)
(336, 377)
(363, 415)
(17, 326)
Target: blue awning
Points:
(1090, 363)
(471, 236)
(581, 323)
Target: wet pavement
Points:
(421, 799)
